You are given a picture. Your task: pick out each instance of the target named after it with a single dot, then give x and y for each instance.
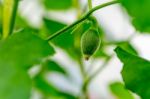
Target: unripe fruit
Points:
(90, 42)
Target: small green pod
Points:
(90, 42)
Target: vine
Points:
(81, 19)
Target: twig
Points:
(13, 17)
(81, 19)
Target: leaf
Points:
(52, 66)
(14, 83)
(138, 9)
(21, 23)
(49, 90)
(24, 49)
(128, 47)
(135, 73)
(120, 91)
(17, 53)
(64, 41)
(60, 5)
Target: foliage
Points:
(135, 73)
(138, 9)
(22, 47)
(17, 55)
(61, 4)
(120, 91)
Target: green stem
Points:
(81, 19)
(90, 4)
(13, 17)
(99, 70)
(77, 6)
(82, 70)
(88, 80)
(83, 73)
(84, 91)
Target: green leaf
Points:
(17, 53)
(64, 41)
(120, 91)
(50, 90)
(14, 83)
(21, 23)
(140, 15)
(58, 4)
(52, 66)
(135, 73)
(128, 47)
(24, 49)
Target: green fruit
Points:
(90, 42)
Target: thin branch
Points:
(100, 69)
(13, 17)
(82, 69)
(81, 19)
(89, 79)
(90, 4)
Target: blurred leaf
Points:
(120, 91)
(17, 53)
(135, 73)
(138, 9)
(58, 4)
(24, 49)
(128, 47)
(14, 83)
(52, 66)
(21, 23)
(49, 90)
(64, 41)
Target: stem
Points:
(81, 19)
(77, 6)
(65, 29)
(13, 17)
(81, 66)
(90, 4)
(7, 11)
(99, 70)
(82, 70)
(84, 90)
